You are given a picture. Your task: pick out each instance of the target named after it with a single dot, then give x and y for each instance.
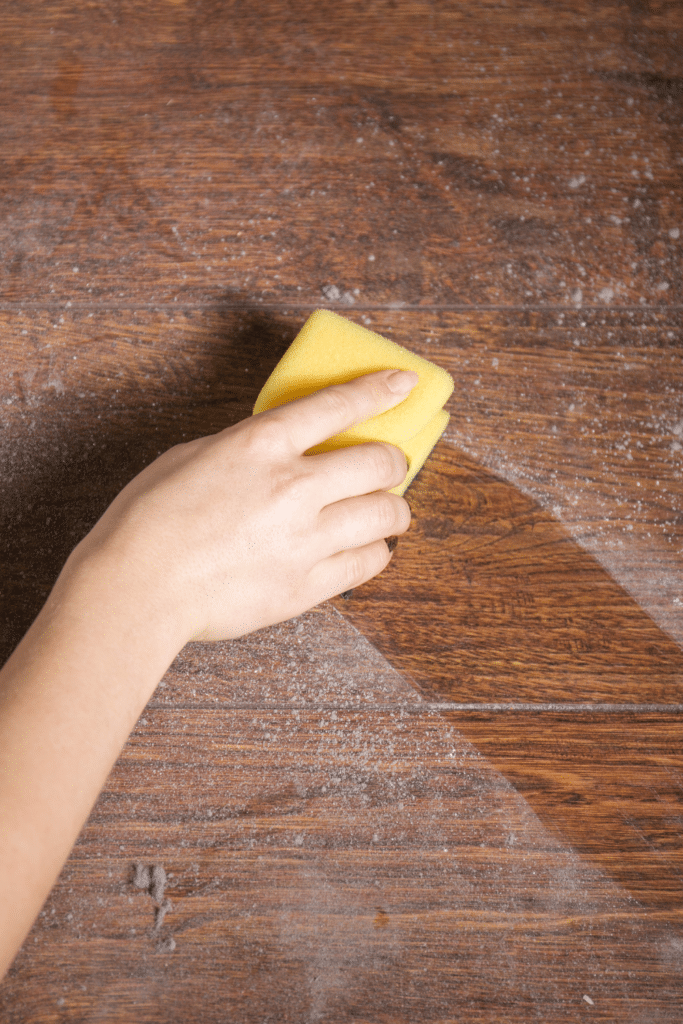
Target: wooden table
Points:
(456, 796)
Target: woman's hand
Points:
(240, 530)
(216, 538)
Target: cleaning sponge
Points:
(330, 349)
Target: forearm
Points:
(69, 697)
(216, 538)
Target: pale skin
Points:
(215, 539)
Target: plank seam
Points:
(19, 307)
(428, 706)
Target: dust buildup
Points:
(158, 886)
(161, 913)
(142, 878)
(153, 879)
(314, 659)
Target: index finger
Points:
(315, 418)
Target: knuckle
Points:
(356, 569)
(363, 564)
(289, 485)
(182, 447)
(386, 512)
(380, 555)
(402, 464)
(337, 402)
(387, 461)
(266, 433)
(178, 454)
(383, 461)
(398, 463)
(393, 514)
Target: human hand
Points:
(216, 538)
(239, 530)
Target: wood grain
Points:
(361, 818)
(488, 599)
(410, 153)
(610, 784)
(365, 865)
(588, 431)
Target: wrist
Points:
(110, 591)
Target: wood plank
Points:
(89, 399)
(366, 865)
(317, 659)
(583, 412)
(609, 784)
(205, 155)
(488, 599)
(416, 155)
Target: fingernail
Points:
(391, 543)
(402, 381)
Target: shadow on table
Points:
(72, 455)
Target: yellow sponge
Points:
(417, 449)
(332, 350)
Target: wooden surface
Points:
(457, 795)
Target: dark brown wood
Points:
(360, 817)
(420, 153)
(590, 432)
(489, 600)
(341, 864)
(582, 411)
(610, 784)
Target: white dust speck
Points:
(587, 999)
(334, 294)
(577, 296)
(577, 181)
(606, 294)
(674, 233)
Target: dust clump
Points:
(153, 879)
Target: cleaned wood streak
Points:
(456, 796)
(490, 600)
(612, 785)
